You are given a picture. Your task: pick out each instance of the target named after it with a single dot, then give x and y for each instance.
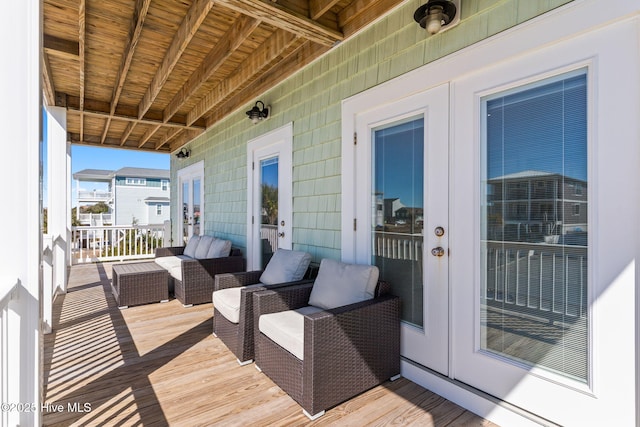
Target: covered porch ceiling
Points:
(154, 74)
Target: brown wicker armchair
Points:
(195, 285)
(346, 350)
(237, 332)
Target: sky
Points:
(86, 157)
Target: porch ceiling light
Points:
(256, 113)
(183, 153)
(435, 14)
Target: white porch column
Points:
(59, 207)
(20, 254)
(59, 193)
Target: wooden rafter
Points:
(317, 8)
(168, 137)
(361, 12)
(135, 31)
(182, 139)
(230, 41)
(285, 19)
(190, 24)
(103, 114)
(127, 132)
(82, 9)
(47, 81)
(289, 65)
(53, 45)
(247, 70)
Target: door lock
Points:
(439, 251)
(281, 234)
(439, 231)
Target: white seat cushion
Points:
(341, 284)
(286, 328)
(203, 246)
(286, 266)
(168, 262)
(192, 245)
(227, 302)
(219, 248)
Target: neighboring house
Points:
(133, 195)
(536, 206)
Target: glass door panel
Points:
(534, 254)
(398, 214)
(268, 208)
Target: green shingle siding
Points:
(311, 99)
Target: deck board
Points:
(158, 364)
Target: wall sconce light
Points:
(256, 113)
(183, 153)
(435, 14)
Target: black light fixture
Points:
(256, 113)
(435, 14)
(183, 153)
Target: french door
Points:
(269, 195)
(400, 207)
(191, 194)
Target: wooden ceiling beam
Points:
(47, 81)
(317, 8)
(168, 137)
(60, 47)
(94, 140)
(278, 16)
(223, 49)
(295, 61)
(150, 122)
(127, 132)
(182, 139)
(82, 10)
(253, 65)
(135, 30)
(189, 26)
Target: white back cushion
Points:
(203, 246)
(219, 248)
(341, 284)
(192, 245)
(285, 266)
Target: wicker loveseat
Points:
(193, 267)
(323, 356)
(233, 305)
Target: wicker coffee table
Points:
(139, 283)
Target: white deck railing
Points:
(116, 243)
(94, 195)
(548, 279)
(401, 246)
(95, 219)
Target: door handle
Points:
(281, 234)
(438, 251)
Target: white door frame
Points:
(189, 173)
(278, 142)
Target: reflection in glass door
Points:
(398, 214)
(534, 253)
(268, 208)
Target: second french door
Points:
(400, 206)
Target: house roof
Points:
(528, 174)
(143, 172)
(107, 175)
(153, 74)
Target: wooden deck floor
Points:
(158, 364)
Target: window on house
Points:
(136, 181)
(158, 209)
(164, 184)
(576, 209)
